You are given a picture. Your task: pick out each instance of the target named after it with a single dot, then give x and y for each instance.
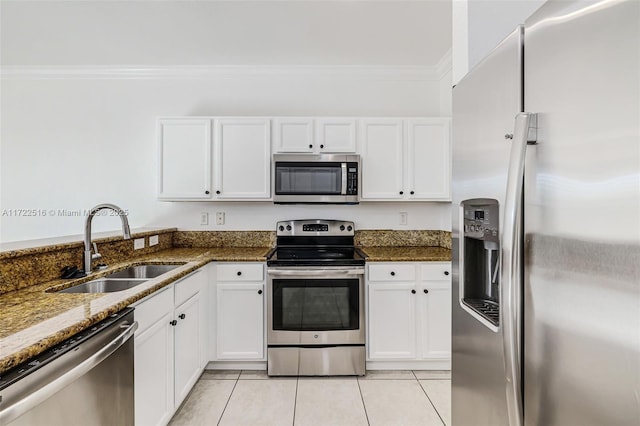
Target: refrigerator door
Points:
(485, 103)
(582, 215)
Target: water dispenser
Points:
(481, 258)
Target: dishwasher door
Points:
(86, 380)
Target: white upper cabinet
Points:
(380, 149)
(429, 158)
(184, 159)
(226, 158)
(293, 134)
(233, 162)
(336, 135)
(405, 160)
(242, 158)
(314, 136)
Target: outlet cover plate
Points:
(138, 243)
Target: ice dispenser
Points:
(480, 279)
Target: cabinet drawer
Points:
(436, 271)
(240, 272)
(188, 286)
(153, 309)
(392, 272)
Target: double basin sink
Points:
(121, 280)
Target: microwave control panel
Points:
(352, 178)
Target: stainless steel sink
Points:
(143, 271)
(121, 280)
(104, 285)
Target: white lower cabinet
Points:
(409, 313)
(154, 361)
(169, 348)
(240, 300)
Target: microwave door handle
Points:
(343, 191)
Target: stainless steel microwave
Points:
(316, 179)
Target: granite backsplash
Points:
(31, 266)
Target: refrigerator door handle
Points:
(511, 270)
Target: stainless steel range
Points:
(315, 300)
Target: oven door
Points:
(315, 306)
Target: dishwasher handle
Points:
(23, 405)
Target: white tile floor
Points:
(248, 398)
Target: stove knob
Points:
(281, 228)
(342, 227)
(288, 227)
(349, 228)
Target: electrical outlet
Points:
(153, 240)
(138, 243)
(204, 218)
(403, 218)
(219, 218)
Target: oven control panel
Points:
(315, 227)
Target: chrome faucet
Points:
(126, 232)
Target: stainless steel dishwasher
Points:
(85, 380)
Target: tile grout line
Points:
(295, 401)
(229, 399)
(363, 404)
(430, 401)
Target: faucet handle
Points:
(95, 254)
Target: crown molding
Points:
(128, 72)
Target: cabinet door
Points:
(435, 310)
(184, 159)
(429, 159)
(380, 151)
(293, 134)
(187, 347)
(335, 135)
(392, 320)
(242, 159)
(154, 374)
(240, 321)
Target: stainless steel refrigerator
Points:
(546, 223)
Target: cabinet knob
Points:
(182, 316)
(217, 192)
(446, 272)
(321, 146)
(239, 273)
(412, 193)
(206, 192)
(310, 146)
(173, 322)
(259, 291)
(426, 291)
(401, 192)
(413, 292)
(393, 274)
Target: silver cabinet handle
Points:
(23, 405)
(511, 270)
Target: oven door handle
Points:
(277, 272)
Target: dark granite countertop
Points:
(34, 320)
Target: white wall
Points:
(76, 133)
(479, 25)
